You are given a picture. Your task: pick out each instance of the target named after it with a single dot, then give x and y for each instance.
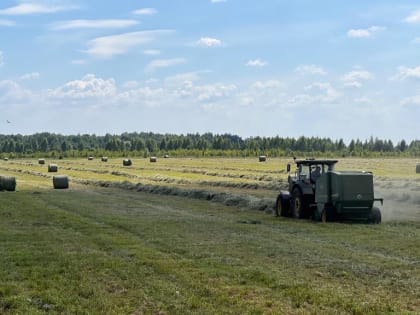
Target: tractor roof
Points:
(314, 162)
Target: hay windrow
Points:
(229, 199)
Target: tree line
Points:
(207, 144)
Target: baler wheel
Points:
(375, 216)
(324, 216)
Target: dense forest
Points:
(208, 144)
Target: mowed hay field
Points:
(181, 236)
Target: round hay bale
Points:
(52, 168)
(153, 159)
(7, 183)
(104, 159)
(41, 161)
(127, 162)
(6, 159)
(166, 156)
(418, 169)
(90, 158)
(262, 158)
(60, 182)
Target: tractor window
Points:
(330, 167)
(316, 171)
(303, 171)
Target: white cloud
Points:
(1, 59)
(355, 78)
(217, 1)
(365, 32)
(416, 40)
(78, 62)
(407, 73)
(163, 63)
(101, 24)
(256, 63)
(151, 52)
(209, 42)
(89, 86)
(108, 46)
(319, 93)
(212, 92)
(413, 18)
(7, 22)
(364, 100)
(30, 76)
(310, 69)
(269, 84)
(29, 8)
(184, 78)
(325, 87)
(411, 101)
(11, 91)
(145, 11)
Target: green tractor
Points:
(320, 192)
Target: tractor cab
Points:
(307, 173)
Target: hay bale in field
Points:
(104, 159)
(153, 159)
(7, 183)
(52, 168)
(262, 158)
(90, 158)
(166, 156)
(418, 169)
(127, 162)
(60, 182)
(6, 159)
(41, 161)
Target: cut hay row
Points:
(192, 164)
(255, 174)
(229, 199)
(258, 178)
(9, 183)
(269, 185)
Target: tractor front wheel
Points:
(282, 206)
(298, 204)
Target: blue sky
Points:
(340, 69)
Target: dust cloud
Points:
(401, 198)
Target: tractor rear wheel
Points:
(298, 204)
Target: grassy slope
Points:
(105, 251)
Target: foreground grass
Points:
(106, 251)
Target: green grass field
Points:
(110, 250)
